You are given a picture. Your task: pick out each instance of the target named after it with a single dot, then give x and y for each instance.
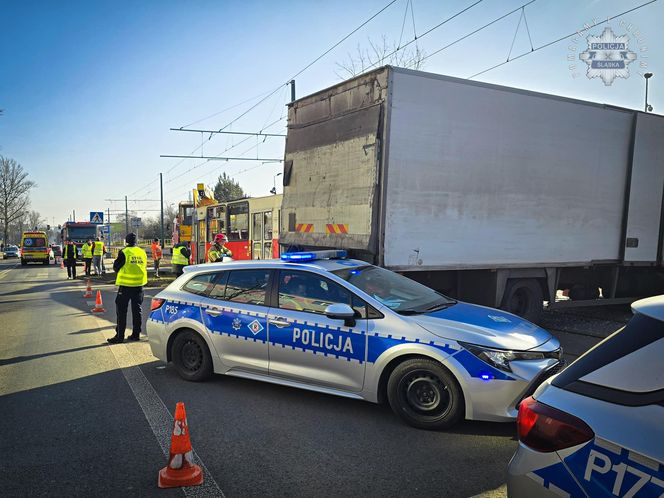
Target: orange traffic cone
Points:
(181, 470)
(88, 291)
(62, 263)
(99, 307)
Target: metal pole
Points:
(73, 215)
(126, 217)
(292, 90)
(161, 194)
(647, 76)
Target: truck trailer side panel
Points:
(480, 176)
(647, 181)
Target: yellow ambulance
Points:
(35, 248)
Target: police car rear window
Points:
(200, 284)
(247, 286)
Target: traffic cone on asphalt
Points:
(62, 263)
(88, 291)
(99, 307)
(181, 470)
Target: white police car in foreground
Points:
(352, 329)
(597, 428)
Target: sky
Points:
(90, 89)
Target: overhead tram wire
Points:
(478, 30)
(223, 152)
(226, 109)
(558, 40)
(430, 30)
(308, 66)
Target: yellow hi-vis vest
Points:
(178, 258)
(86, 251)
(134, 273)
(99, 248)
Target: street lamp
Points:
(647, 76)
(273, 190)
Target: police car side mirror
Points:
(341, 311)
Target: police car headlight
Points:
(501, 358)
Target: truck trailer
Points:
(490, 194)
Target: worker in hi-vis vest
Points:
(86, 252)
(180, 258)
(131, 267)
(218, 249)
(98, 254)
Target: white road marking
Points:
(158, 416)
(4, 273)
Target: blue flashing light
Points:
(486, 377)
(298, 256)
(313, 255)
(355, 272)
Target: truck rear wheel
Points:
(523, 297)
(23, 262)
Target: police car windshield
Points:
(395, 291)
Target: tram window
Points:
(238, 222)
(267, 223)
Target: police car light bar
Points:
(314, 255)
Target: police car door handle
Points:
(279, 322)
(213, 312)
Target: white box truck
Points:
(491, 194)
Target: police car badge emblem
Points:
(237, 323)
(255, 327)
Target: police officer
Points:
(131, 267)
(218, 250)
(180, 258)
(69, 257)
(98, 253)
(86, 252)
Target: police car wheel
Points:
(191, 357)
(425, 394)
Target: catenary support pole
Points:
(126, 217)
(161, 195)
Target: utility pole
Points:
(126, 217)
(161, 194)
(73, 215)
(292, 90)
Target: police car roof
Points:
(319, 264)
(651, 306)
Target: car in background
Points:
(597, 428)
(319, 321)
(12, 252)
(56, 251)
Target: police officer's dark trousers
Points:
(125, 295)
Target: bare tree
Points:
(35, 221)
(380, 54)
(14, 190)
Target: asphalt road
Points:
(84, 418)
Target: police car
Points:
(597, 428)
(319, 321)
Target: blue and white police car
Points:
(597, 428)
(319, 321)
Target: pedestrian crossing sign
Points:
(97, 217)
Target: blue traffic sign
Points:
(97, 217)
